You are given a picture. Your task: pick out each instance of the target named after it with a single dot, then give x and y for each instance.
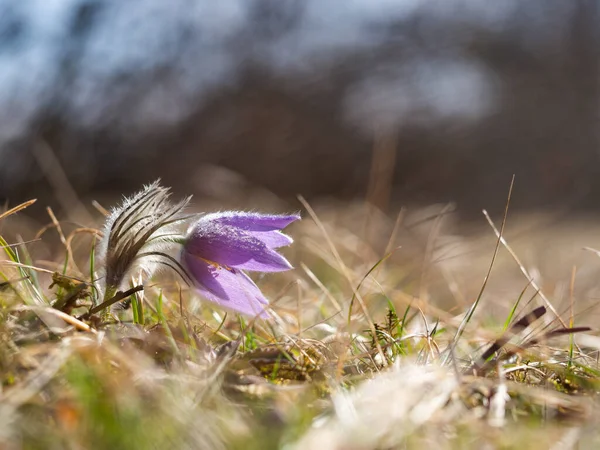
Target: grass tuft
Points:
(405, 367)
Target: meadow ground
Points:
(410, 332)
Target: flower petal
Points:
(272, 239)
(232, 247)
(229, 288)
(253, 221)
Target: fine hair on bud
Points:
(138, 233)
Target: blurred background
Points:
(398, 101)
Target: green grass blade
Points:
(364, 278)
(93, 272)
(514, 308)
(163, 321)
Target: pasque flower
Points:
(219, 247)
(144, 233)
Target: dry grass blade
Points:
(17, 208)
(78, 231)
(78, 324)
(321, 286)
(346, 274)
(63, 239)
(429, 249)
(26, 266)
(524, 270)
(55, 173)
(101, 209)
(473, 307)
(394, 234)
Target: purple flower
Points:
(219, 246)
